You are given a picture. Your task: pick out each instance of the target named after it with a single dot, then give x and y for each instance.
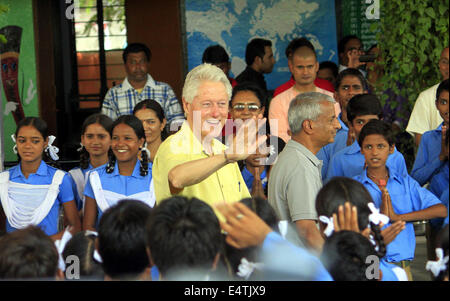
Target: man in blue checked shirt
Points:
(138, 86)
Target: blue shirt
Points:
(349, 162)
(115, 182)
(249, 177)
(427, 165)
(44, 176)
(444, 200)
(387, 271)
(340, 142)
(406, 196)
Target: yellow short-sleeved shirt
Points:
(226, 184)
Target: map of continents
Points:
(233, 23)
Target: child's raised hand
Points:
(391, 232)
(347, 219)
(444, 150)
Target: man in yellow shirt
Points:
(191, 162)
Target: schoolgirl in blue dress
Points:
(125, 176)
(94, 151)
(32, 192)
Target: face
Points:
(351, 45)
(326, 74)
(254, 160)
(152, 125)
(304, 69)
(443, 63)
(326, 124)
(30, 144)
(211, 105)
(96, 140)
(268, 60)
(349, 87)
(360, 121)
(10, 70)
(136, 66)
(225, 66)
(376, 150)
(125, 143)
(442, 106)
(245, 105)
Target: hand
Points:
(353, 58)
(386, 205)
(257, 188)
(443, 156)
(391, 232)
(351, 136)
(347, 219)
(243, 227)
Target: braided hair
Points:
(133, 122)
(340, 190)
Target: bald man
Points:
(425, 116)
(304, 66)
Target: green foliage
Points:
(3, 9)
(112, 10)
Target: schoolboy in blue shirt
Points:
(398, 196)
(349, 161)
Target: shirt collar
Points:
(300, 147)
(353, 149)
(392, 175)
(41, 171)
(150, 83)
(136, 171)
(343, 125)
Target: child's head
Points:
(442, 100)
(121, 240)
(216, 55)
(95, 138)
(151, 114)
(28, 253)
(127, 140)
(377, 143)
(361, 109)
(329, 71)
(344, 256)
(183, 234)
(82, 245)
(340, 190)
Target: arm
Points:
(90, 214)
(109, 105)
(307, 229)
(417, 138)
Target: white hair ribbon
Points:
(80, 148)
(246, 268)
(53, 150)
(376, 217)
(145, 149)
(437, 266)
(330, 226)
(96, 255)
(60, 245)
(13, 137)
(373, 242)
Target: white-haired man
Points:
(295, 178)
(192, 162)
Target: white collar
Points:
(150, 82)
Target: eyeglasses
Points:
(241, 107)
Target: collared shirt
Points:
(115, 182)
(349, 162)
(225, 184)
(318, 82)
(121, 99)
(250, 75)
(427, 164)
(340, 142)
(294, 183)
(407, 196)
(424, 116)
(44, 176)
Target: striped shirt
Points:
(121, 99)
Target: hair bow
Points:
(52, 150)
(437, 266)
(13, 137)
(60, 245)
(330, 226)
(376, 217)
(246, 268)
(145, 149)
(283, 227)
(80, 148)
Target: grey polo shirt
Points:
(294, 182)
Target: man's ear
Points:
(307, 126)
(186, 106)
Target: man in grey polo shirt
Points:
(296, 179)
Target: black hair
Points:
(443, 244)
(135, 48)
(82, 245)
(101, 119)
(363, 104)
(121, 239)
(377, 127)
(183, 233)
(252, 87)
(41, 126)
(344, 256)
(133, 122)
(330, 65)
(155, 107)
(215, 54)
(351, 72)
(340, 190)
(28, 253)
(296, 44)
(443, 86)
(344, 41)
(256, 48)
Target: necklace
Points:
(379, 181)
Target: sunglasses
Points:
(241, 107)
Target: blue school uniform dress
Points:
(391, 272)
(340, 142)
(407, 196)
(427, 166)
(109, 188)
(80, 177)
(36, 200)
(249, 177)
(349, 162)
